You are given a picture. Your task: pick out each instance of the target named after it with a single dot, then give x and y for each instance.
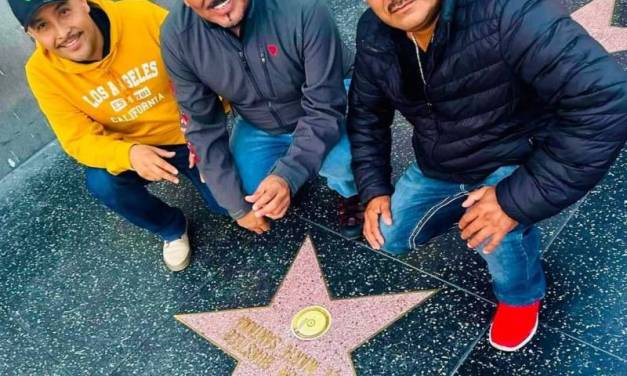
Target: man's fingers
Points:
(470, 201)
(149, 172)
(376, 231)
(164, 175)
(278, 210)
(149, 176)
(159, 169)
(273, 208)
(163, 153)
(371, 226)
(282, 213)
(494, 242)
(471, 229)
(386, 213)
(473, 197)
(264, 200)
(255, 196)
(171, 178)
(370, 238)
(286, 206)
(162, 164)
(467, 218)
(480, 237)
(366, 229)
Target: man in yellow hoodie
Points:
(98, 77)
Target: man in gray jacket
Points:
(280, 64)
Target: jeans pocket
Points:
(438, 220)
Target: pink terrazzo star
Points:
(596, 18)
(262, 340)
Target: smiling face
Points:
(225, 13)
(406, 15)
(66, 29)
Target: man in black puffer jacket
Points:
(517, 113)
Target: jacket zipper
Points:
(242, 55)
(275, 114)
(264, 63)
(422, 76)
(427, 99)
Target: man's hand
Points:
(272, 198)
(378, 206)
(149, 163)
(253, 223)
(484, 220)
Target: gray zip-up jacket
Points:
(284, 75)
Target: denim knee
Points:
(396, 241)
(101, 185)
(400, 239)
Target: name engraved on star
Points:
(299, 359)
(263, 348)
(253, 341)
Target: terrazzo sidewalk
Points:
(84, 293)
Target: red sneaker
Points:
(514, 326)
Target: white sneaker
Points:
(177, 253)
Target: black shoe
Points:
(351, 217)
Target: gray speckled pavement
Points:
(84, 293)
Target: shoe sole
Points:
(517, 347)
(179, 267)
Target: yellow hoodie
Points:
(99, 110)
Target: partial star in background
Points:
(596, 18)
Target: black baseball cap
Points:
(24, 10)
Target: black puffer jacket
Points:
(507, 82)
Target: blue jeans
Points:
(126, 194)
(423, 208)
(255, 152)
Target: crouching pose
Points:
(517, 113)
(281, 65)
(98, 76)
